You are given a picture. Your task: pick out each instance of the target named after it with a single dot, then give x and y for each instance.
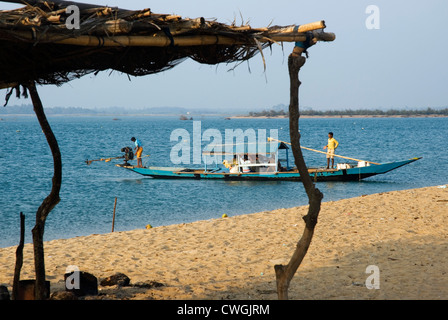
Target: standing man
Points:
(245, 163)
(331, 146)
(138, 151)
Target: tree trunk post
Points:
(19, 258)
(284, 274)
(50, 201)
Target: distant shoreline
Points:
(276, 112)
(226, 116)
(345, 116)
(111, 115)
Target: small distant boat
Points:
(265, 165)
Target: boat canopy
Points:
(262, 148)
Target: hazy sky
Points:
(402, 64)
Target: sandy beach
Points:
(403, 233)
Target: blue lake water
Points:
(88, 192)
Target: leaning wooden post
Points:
(284, 274)
(113, 218)
(51, 200)
(19, 258)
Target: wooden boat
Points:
(265, 165)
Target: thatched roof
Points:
(36, 45)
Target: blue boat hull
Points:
(351, 174)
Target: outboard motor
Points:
(128, 155)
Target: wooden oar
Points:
(270, 139)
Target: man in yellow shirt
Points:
(331, 146)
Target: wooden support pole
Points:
(284, 274)
(161, 40)
(50, 201)
(19, 258)
(113, 218)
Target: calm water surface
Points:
(88, 192)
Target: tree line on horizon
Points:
(351, 112)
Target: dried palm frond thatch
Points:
(36, 44)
